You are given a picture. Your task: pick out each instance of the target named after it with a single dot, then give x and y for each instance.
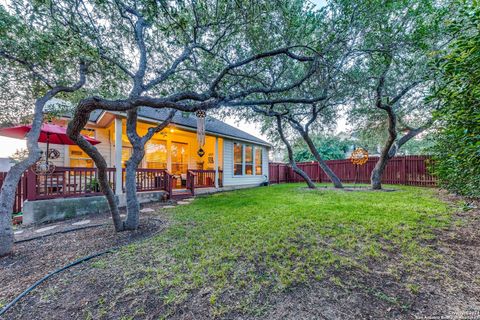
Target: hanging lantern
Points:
(43, 167)
(201, 115)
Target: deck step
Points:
(180, 195)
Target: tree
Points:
(457, 147)
(333, 35)
(32, 56)
(188, 56)
(304, 130)
(279, 133)
(138, 152)
(393, 79)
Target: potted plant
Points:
(93, 185)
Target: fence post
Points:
(31, 180)
(403, 173)
(190, 183)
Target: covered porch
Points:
(171, 164)
(171, 153)
(175, 150)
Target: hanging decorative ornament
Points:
(359, 156)
(201, 115)
(42, 167)
(53, 154)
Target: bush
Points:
(457, 148)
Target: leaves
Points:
(457, 150)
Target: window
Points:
(126, 154)
(179, 157)
(237, 159)
(258, 161)
(78, 158)
(248, 160)
(156, 154)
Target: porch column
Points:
(216, 162)
(118, 156)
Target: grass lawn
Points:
(238, 248)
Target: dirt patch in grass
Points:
(151, 282)
(33, 259)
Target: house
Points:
(235, 157)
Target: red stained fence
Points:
(407, 170)
(20, 194)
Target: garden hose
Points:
(36, 284)
(72, 264)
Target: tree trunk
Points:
(377, 172)
(295, 168)
(133, 207)
(9, 187)
(74, 128)
(331, 175)
(138, 143)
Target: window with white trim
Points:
(237, 159)
(258, 161)
(247, 160)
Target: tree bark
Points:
(138, 143)
(73, 130)
(390, 150)
(133, 207)
(9, 187)
(412, 133)
(293, 164)
(390, 147)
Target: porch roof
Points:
(212, 125)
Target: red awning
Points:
(50, 132)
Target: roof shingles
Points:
(212, 125)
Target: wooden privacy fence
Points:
(407, 170)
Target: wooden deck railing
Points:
(21, 192)
(202, 179)
(67, 182)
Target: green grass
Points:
(240, 245)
